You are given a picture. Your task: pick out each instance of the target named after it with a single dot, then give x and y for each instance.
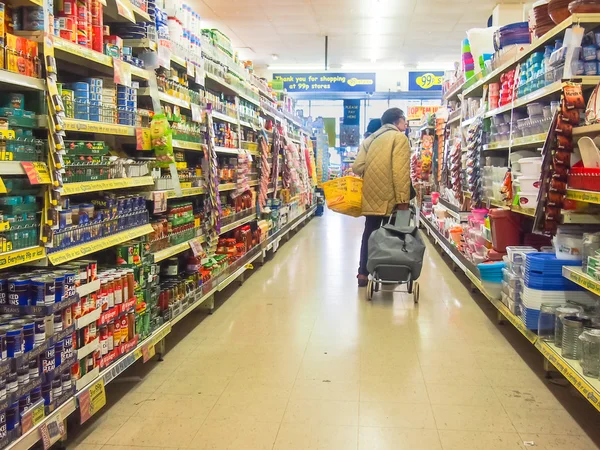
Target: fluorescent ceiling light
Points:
(435, 66)
(276, 67)
(372, 67)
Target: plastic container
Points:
(529, 184)
(494, 290)
(547, 110)
(535, 109)
(505, 226)
(546, 322)
(479, 214)
(528, 199)
(590, 353)
(568, 246)
(531, 167)
(435, 196)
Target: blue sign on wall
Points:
(327, 82)
(425, 81)
(351, 112)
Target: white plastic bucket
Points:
(531, 167)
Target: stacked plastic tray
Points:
(544, 283)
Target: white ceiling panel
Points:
(408, 31)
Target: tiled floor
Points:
(297, 359)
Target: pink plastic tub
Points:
(479, 214)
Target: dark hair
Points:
(392, 115)
(374, 125)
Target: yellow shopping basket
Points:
(344, 195)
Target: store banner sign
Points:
(326, 82)
(425, 81)
(352, 112)
(418, 112)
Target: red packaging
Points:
(67, 7)
(88, 5)
(124, 328)
(97, 38)
(115, 40)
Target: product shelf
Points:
(553, 89)
(577, 276)
(227, 187)
(88, 126)
(224, 118)
(454, 117)
(574, 217)
(229, 151)
(514, 208)
(22, 256)
(248, 98)
(468, 122)
(454, 92)
(140, 43)
(179, 61)
(167, 253)
(166, 98)
(219, 84)
(185, 145)
(185, 192)
(135, 14)
(586, 130)
(21, 82)
(11, 168)
(584, 196)
(86, 289)
(238, 223)
(494, 76)
(522, 142)
(106, 185)
(97, 245)
(82, 56)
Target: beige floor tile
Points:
(84, 447)
(316, 437)
(384, 389)
(175, 406)
(501, 361)
(557, 442)
(341, 369)
(517, 378)
(392, 414)
(322, 412)
(128, 447)
(472, 418)
(448, 394)
(128, 404)
(441, 360)
(515, 398)
(228, 435)
(99, 430)
(543, 421)
(393, 371)
(376, 438)
(326, 390)
(182, 384)
(155, 431)
(256, 404)
(458, 376)
(472, 440)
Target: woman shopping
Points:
(384, 163)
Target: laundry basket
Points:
(344, 195)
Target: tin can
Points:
(117, 333)
(42, 291)
(68, 350)
(58, 353)
(67, 317)
(76, 308)
(58, 322)
(70, 288)
(18, 291)
(14, 342)
(12, 383)
(28, 336)
(66, 380)
(47, 393)
(67, 8)
(34, 369)
(2, 388)
(48, 360)
(93, 330)
(3, 290)
(103, 340)
(59, 283)
(36, 395)
(39, 330)
(56, 387)
(22, 377)
(110, 336)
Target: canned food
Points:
(18, 291)
(42, 291)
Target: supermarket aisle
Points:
(297, 359)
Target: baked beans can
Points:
(34, 369)
(70, 283)
(48, 360)
(42, 291)
(76, 308)
(93, 331)
(3, 290)
(58, 353)
(67, 317)
(68, 350)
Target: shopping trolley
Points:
(396, 255)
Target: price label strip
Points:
(52, 431)
(92, 400)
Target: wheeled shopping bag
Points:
(395, 255)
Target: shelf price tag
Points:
(32, 417)
(190, 68)
(92, 400)
(3, 187)
(196, 113)
(52, 431)
(199, 75)
(160, 201)
(37, 172)
(122, 72)
(142, 139)
(196, 246)
(148, 351)
(124, 10)
(164, 53)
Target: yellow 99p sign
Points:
(428, 80)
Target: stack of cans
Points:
(95, 98)
(81, 99)
(109, 100)
(126, 104)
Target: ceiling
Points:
(360, 31)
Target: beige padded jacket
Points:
(384, 163)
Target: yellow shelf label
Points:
(171, 251)
(184, 145)
(87, 126)
(583, 196)
(583, 281)
(88, 248)
(139, 72)
(104, 185)
(188, 192)
(17, 257)
(37, 172)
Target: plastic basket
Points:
(344, 195)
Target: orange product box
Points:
(2, 19)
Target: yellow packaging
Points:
(2, 17)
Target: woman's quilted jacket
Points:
(384, 163)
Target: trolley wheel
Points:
(409, 287)
(376, 287)
(370, 287)
(416, 292)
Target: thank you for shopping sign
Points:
(327, 82)
(425, 81)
